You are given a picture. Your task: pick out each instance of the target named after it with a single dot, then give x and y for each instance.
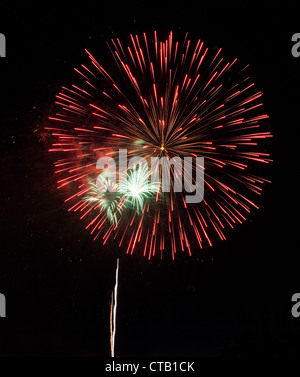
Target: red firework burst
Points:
(162, 98)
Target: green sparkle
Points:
(137, 188)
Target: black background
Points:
(231, 299)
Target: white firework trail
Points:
(113, 313)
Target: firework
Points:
(161, 99)
(138, 188)
(104, 203)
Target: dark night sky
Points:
(234, 298)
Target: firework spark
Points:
(105, 203)
(137, 188)
(167, 99)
